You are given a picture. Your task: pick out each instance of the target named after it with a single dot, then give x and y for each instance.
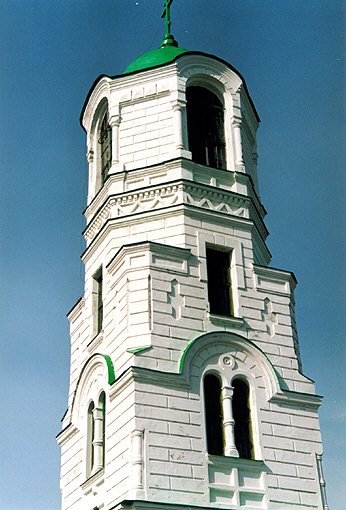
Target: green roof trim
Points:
(154, 58)
(110, 366)
(136, 350)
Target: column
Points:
(91, 183)
(236, 123)
(114, 122)
(137, 459)
(228, 421)
(98, 439)
(178, 109)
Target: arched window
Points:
(242, 419)
(105, 141)
(213, 414)
(96, 431)
(103, 410)
(205, 120)
(90, 438)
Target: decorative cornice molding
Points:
(184, 167)
(179, 192)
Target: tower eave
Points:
(181, 55)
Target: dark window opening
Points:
(105, 140)
(99, 300)
(90, 438)
(242, 419)
(213, 414)
(205, 121)
(103, 408)
(219, 282)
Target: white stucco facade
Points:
(147, 227)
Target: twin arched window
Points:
(228, 418)
(205, 120)
(96, 435)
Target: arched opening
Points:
(213, 414)
(90, 438)
(103, 411)
(205, 121)
(105, 142)
(242, 419)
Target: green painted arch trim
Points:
(110, 366)
(192, 342)
(110, 370)
(154, 58)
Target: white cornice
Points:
(167, 251)
(291, 398)
(66, 434)
(76, 310)
(265, 276)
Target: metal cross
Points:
(166, 13)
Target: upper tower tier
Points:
(173, 104)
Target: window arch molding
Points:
(211, 346)
(87, 412)
(209, 83)
(231, 356)
(96, 375)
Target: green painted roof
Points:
(154, 58)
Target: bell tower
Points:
(186, 384)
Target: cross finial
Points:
(168, 39)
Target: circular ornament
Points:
(227, 361)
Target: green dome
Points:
(154, 58)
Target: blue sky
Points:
(292, 55)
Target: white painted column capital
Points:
(228, 421)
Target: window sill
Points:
(223, 320)
(223, 460)
(97, 479)
(95, 341)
